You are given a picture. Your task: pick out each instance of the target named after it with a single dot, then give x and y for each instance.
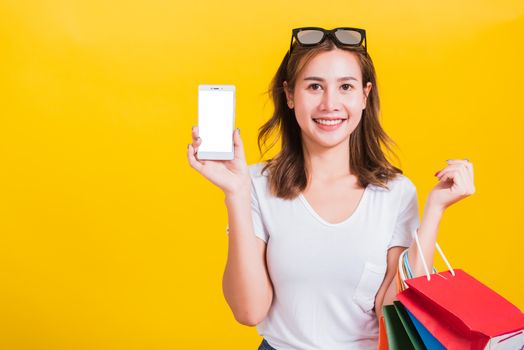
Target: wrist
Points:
(434, 209)
(241, 192)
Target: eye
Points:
(312, 85)
(348, 86)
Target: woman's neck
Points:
(327, 164)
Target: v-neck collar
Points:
(345, 221)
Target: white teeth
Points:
(329, 122)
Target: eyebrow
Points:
(339, 79)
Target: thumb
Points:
(238, 145)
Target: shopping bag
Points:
(461, 312)
(402, 332)
(429, 340)
(409, 327)
(403, 273)
(382, 337)
(398, 339)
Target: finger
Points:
(196, 140)
(456, 161)
(451, 166)
(238, 145)
(457, 176)
(464, 161)
(196, 143)
(452, 175)
(462, 187)
(469, 166)
(448, 169)
(467, 180)
(193, 161)
(194, 132)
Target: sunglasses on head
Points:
(343, 36)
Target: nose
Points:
(330, 100)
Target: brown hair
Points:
(287, 172)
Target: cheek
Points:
(356, 103)
(306, 102)
(302, 118)
(305, 108)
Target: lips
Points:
(329, 124)
(329, 121)
(329, 118)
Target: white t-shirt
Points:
(326, 276)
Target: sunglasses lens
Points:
(348, 37)
(309, 36)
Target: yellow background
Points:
(109, 240)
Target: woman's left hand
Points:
(455, 183)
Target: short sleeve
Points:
(258, 223)
(256, 214)
(408, 218)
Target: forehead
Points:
(331, 65)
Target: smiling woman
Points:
(321, 93)
(331, 102)
(325, 122)
(315, 233)
(330, 250)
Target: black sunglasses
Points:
(343, 36)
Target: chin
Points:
(331, 142)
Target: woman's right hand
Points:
(229, 175)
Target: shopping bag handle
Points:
(424, 260)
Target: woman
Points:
(315, 233)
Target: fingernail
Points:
(238, 130)
(436, 173)
(188, 146)
(193, 128)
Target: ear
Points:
(289, 95)
(367, 90)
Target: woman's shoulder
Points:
(399, 183)
(255, 170)
(406, 187)
(404, 180)
(259, 180)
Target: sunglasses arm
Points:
(290, 45)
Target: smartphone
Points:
(216, 121)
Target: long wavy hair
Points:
(287, 173)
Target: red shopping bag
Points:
(461, 312)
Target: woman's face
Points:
(328, 98)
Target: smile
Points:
(329, 124)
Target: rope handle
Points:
(403, 262)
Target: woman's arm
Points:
(427, 234)
(388, 289)
(455, 183)
(246, 283)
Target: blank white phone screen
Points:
(215, 120)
